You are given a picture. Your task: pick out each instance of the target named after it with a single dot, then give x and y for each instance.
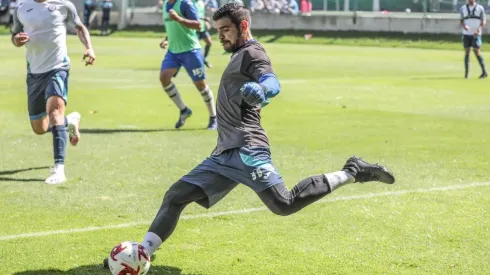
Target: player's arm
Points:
(265, 86)
(483, 20)
(461, 19)
(82, 33)
(19, 37)
(190, 17)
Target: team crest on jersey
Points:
(51, 8)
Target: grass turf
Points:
(407, 108)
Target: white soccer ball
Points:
(129, 258)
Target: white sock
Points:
(151, 242)
(208, 97)
(338, 179)
(59, 168)
(174, 94)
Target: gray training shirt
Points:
(44, 22)
(238, 122)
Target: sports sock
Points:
(208, 97)
(206, 50)
(482, 63)
(151, 242)
(59, 143)
(338, 179)
(466, 64)
(174, 94)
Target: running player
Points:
(181, 23)
(40, 25)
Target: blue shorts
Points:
(193, 62)
(218, 175)
(40, 87)
(470, 41)
(203, 35)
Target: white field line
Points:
(242, 211)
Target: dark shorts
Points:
(203, 35)
(470, 41)
(192, 61)
(40, 87)
(218, 175)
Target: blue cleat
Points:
(213, 123)
(184, 114)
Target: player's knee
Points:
(165, 78)
(56, 116)
(170, 197)
(200, 85)
(281, 209)
(278, 200)
(279, 206)
(177, 195)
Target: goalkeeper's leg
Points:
(176, 199)
(283, 202)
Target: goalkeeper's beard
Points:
(235, 46)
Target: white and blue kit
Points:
(47, 58)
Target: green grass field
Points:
(409, 109)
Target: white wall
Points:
(329, 21)
(341, 21)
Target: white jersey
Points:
(472, 16)
(44, 22)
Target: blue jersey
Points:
(187, 9)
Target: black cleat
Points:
(483, 75)
(213, 123)
(183, 116)
(365, 172)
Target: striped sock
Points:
(207, 96)
(174, 94)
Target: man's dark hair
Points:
(237, 12)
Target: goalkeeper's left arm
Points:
(256, 64)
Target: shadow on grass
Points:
(20, 180)
(116, 131)
(15, 171)
(11, 172)
(100, 270)
(438, 78)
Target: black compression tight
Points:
(277, 198)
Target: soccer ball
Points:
(129, 258)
